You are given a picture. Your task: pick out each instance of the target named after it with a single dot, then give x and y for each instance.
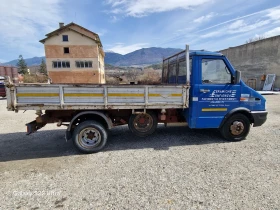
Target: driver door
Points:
(217, 94)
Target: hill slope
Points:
(29, 61)
(145, 56)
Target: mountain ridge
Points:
(141, 57)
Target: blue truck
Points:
(199, 88)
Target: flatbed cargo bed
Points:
(95, 97)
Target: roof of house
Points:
(68, 26)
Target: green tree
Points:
(43, 68)
(22, 67)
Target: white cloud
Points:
(211, 34)
(122, 49)
(138, 8)
(204, 18)
(113, 19)
(237, 24)
(24, 22)
(273, 32)
(274, 14)
(244, 27)
(263, 13)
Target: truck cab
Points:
(218, 97)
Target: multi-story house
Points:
(74, 55)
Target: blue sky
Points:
(128, 25)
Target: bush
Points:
(112, 80)
(33, 78)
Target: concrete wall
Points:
(81, 48)
(257, 58)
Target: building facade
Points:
(257, 59)
(74, 55)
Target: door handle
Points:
(204, 90)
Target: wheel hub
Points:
(89, 137)
(237, 128)
(143, 122)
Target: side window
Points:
(182, 73)
(215, 71)
(172, 74)
(165, 72)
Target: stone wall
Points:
(257, 58)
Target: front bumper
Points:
(259, 117)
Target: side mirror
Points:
(237, 77)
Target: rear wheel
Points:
(90, 137)
(144, 124)
(236, 128)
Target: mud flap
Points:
(33, 126)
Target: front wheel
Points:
(144, 124)
(236, 128)
(90, 137)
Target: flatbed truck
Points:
(199, 88)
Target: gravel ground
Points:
(176, 168)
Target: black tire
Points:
(141, 130)
(97, 140)
(232, 130)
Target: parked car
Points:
(2, 90)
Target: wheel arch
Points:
(98, 116)
(240, 110)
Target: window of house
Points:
(66, 50)
(78, 64)
(215, 71)
(61, 64)
(65, 38)
(83, 64)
